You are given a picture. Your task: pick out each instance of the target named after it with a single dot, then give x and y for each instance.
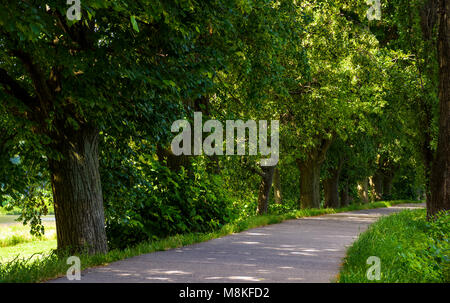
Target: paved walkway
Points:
(302, 250)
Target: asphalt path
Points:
(301, 250)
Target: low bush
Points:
(161, 202)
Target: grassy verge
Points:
(49, 265)
(411, 250)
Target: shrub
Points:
(155, 202)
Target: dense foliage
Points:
(150, 201)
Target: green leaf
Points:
(134, 23)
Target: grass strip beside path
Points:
(410, 250)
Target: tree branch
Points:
(37, 77)
(324, 146)
(13, 88)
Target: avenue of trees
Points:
(86, 108)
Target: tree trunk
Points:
(309, 183)
(387, 186)
(277, 186)
(345, 199)
(264, 189)
(363, 190)
(377, 180)
(310, 174)
(331, 191)
(331, 188)
(440, 172)
(77, 193)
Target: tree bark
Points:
(331, 187)
(363, 190)
(310, 175)
(387, 186)
(428, 19)
(331, 192)
(264, 189)
(377, 180)
(277, 186)
(345, 199)
(309, 183)
(77, 193)
(440, 172)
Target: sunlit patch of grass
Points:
(26, 250)
(14, 234)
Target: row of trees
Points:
(87, 107)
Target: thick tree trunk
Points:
(428, 19)
(363, 190)
(277, 186)
(440, 172)
(331, 186)
(309, 183)
(264, 189)
(331, 192)
(387, 186)
(77, 193)
(427, 158)
(345, 199)
(377, 181)
(310, 174)
(428, 16)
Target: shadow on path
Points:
(301, 250)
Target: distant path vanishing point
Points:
(301, 250)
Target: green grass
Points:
(13, 211)
(27, 250)
(411, 250)
(51, 266)
(14, 234)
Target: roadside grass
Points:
(411, 250)
(50, 265)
